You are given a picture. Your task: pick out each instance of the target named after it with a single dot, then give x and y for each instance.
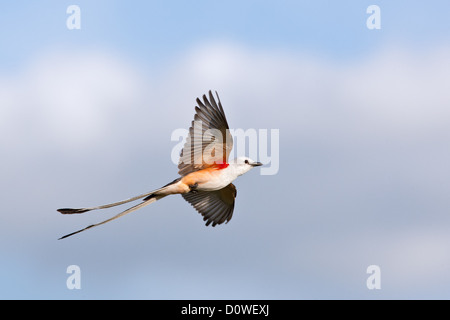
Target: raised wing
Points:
(216, 207)
(209, 141)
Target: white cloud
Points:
(403, 91)
(374, 131)
(68, 98)
(393, 93)
(73, 97)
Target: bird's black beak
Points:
(256, 164)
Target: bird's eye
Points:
(246, 161)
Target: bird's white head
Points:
(242, 165)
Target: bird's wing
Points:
(209, 141)
(216, 207)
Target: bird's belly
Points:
(216, 182)
(208, 179)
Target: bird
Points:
(206, 175)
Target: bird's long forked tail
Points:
(134, 208)
(105, 206)
(149, 198)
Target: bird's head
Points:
(244, 164)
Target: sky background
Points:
(86, 118)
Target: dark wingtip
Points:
(71, 211)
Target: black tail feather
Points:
(72, 211)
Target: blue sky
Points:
(155, 31)
(86, 118)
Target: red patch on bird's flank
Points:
(221, 166)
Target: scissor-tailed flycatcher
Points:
(206, 175)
